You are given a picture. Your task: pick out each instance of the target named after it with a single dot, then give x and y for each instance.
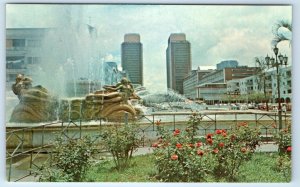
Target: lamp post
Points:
(275, 63)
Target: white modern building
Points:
(253, 84)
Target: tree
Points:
(282, 32)
(262, 78)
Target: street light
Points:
(275, 63)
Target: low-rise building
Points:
(191, 81)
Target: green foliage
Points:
(284, 141)
(182, 157)
(179, 157)
(233, 149)
(70, 160)
(121, 142)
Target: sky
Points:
(216, 32)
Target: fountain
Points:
(37, 105)
(169, 100)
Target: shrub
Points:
(284, 141)
(70, 160)
(121, 142)
(233, 149)
(180, 156)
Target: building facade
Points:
(227, 64)
(254, 84)
(23, 50)
(179, 63)
(132, 58)
(189, 85)
(191, 81)
(216, 80)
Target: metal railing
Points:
(30, 143)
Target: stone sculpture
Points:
(36, 105)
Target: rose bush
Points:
(232, 149)
(180, 156)
(284, 141)
(183, 156)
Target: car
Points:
(250, 106)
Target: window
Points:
(34, 43)
(33, 60)
(18, 42)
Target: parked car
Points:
(250, 106)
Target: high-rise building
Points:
(132, 58)
(179, 63)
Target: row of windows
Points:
(22, 43)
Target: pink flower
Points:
(218, 131)
(209, 141)
(198, 144)
(216, 150)
(155, 145)
(174, 157)
(200, 152)
(289, 149)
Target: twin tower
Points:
(178, 60)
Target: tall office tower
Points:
(132, 58)
(179, 61)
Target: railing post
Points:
(80, 128)
(174, 122)
(215, 121)
(126, 118)
(153, 121)
(10, 165)
(43, 135)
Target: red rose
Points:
(223, 131)
(218, 131)
(209, 136)
(178, 145)
(221, 144)
(216, 150)
(200, 152)
(289, 149)
(243, 149)
(174, 157)
(209, 141)
(176, 132)
(198, 144)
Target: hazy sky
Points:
(215, 32)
